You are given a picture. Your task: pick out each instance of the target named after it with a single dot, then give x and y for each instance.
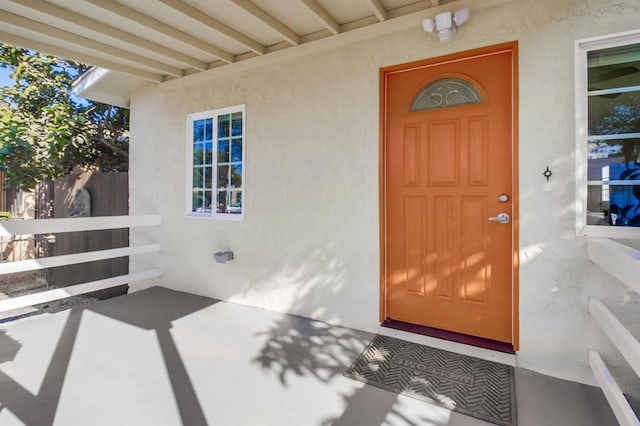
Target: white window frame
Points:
(582, 48)
(213, 114)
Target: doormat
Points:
(471, 386)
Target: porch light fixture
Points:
(446, 23)
(223, 256)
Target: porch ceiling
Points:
(165, 40)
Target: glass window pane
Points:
(198, 130)
(614, 67)
(236, 124)
(207, 201)
(236, 176)
(624, 205)
(208, 134)
(208, 153)
(208, 182)
(198, 177)
(444, 93)
(620, 159)
(224, 123)
(223, 151)
(223, 177)
(621, 209)
(614, 113)
(235, 202)
(597, 208)
(236, 150)
(198, 154)
(198, 201)
(221, 202)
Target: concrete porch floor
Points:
(160, 357)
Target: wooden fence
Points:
(109, 196)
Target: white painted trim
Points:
(623, 262)
(597, 231)
(445, 345)
(61, 293)
(614, 91)
(613, 182)
(72, 259)
(75, 224)
(90, 78)
(609, 40)
(581, 49)
(219, 216)
(617, 333)
(619, 136)
(621, 408)
(581, 86)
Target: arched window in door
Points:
(444, 93)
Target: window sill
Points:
(624, 232)
(220, 217)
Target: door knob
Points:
(501, 218)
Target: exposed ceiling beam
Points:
(322, 15)
(424, 5)
(268, 20)
(76, 56)
(149, 22)
(213, 23)
(93, 25)
(59, 34)
(378, 9)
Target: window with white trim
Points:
(608, 135)
(215, 163)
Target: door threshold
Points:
(486, 349)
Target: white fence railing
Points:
(50, 226)
(623, 263)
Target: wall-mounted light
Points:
(223, 256)
(446, 23)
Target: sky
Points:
(4, 77)
(5, 80)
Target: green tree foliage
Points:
(45, 132)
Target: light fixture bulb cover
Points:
(443, 21)
(446, 34)
(461, 16)
(428, 25)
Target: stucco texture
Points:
(309, 244)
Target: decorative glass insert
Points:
(217, 163)
(444, 93)
(613, 141)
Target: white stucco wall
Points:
(310, 241)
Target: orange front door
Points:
(449, 147)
